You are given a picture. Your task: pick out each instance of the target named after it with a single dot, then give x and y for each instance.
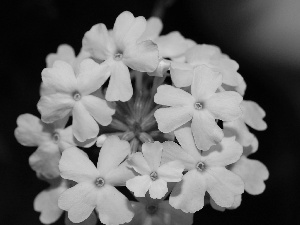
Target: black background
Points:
(31, 29)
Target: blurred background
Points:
(262, 36)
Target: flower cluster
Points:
(167, 116)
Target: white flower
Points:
(72, 95)
(120, 49)
(50, 139)
(209, 55)
(202, 106)
(158, 212)
(46, 201)
(206, 172)
(95, 188)
(153, 175)
(237, 202)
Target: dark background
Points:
(262, 36)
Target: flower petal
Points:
(139, 163)
(79, 201)
(205, 130)
(171, 171)
(139, 185)
(99, 109)
(113, 207)
(202, 54)
(172, 151)
(181, 74)
(64, 53)
(188, 194)
(226, 152)
(119, 87)
(113, 152)
(142, 57)
(171, 45)
(44, 161)
(153, 29)
(119, 176)
(171, 96)
(128, 29)
(253, 173)
(205, 82)
(158, 189)
(225, 105)
(168, 119)
(152, 153)
(98, 42)
(75, 165)
(91, 76)
(84, 126)
(31, 131)
(60, 77)
(186, 140)
(253, 115)
(223, 185)
(55, 106)
(46, 203)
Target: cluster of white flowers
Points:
(168, 116)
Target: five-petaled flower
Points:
(154, 175)
(206, 172)
(202, 106)
(95, 188)
(72, 93)
(120, 49)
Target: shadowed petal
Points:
(171, 171)
(253, 173)
(113, 207)
(168, 119)
(205, 130)
(99, 109)
(152, 153)
(75, 165)
(188, 194)
(64, 53)
(84, 126)
(158, 189)
(171, 96)
(225, 105)
(153, 29)
(113, 152)
(223, 185)
(181, 74)
(253, 115)
(139, 185)
(91, 220)
(139, 163)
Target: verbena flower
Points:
(202, 106)
(120, 49)
(95, 188)
(72, 95)
(206, 172)
(153, 175)
(157, 212)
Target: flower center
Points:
(200, 166)
(153, 176)
(118, 56)
(76, 96)
(55, 137)
(198, 106)
(151, 209)
(99, 182)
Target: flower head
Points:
(120, 49)
(153, 175)
(95, 188)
